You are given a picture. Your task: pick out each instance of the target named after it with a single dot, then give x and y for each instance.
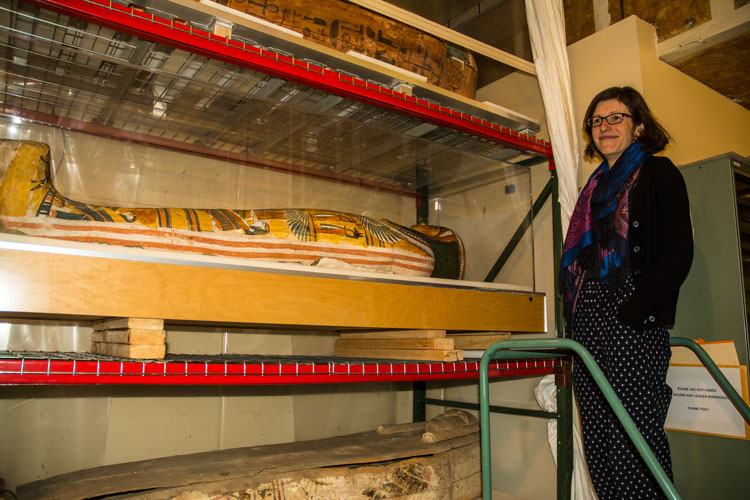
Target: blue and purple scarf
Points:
(598, 232)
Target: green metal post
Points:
(518, 235)
(557, 244)
(507, 410)
(564, 385)
(564, 430)
(419, 404)
(422, 176)
(484, 425)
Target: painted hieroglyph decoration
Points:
(30, 205)
(345, 27)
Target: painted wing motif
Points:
(378, 232)
(301, 225)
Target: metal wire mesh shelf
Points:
(73, 368)
(175, 85)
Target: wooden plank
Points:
(130, 336)
(669, 18)
(64, 285)
(138, 351)
(398, 334)
(445, 344)
(413, 354)
(725, 25)
(120, 323)
(477, 341)
(227, 465)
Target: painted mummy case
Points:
(30, 205)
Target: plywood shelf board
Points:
(51, 284)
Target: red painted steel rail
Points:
(35, 368)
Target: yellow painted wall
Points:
(702, 122)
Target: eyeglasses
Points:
(612, 119)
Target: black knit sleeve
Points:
(662, 263)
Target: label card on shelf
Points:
(700, 406)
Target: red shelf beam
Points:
(36, 371)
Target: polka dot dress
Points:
(635, 363)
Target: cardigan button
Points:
(651, 319)
(636, 248)
(636, 223)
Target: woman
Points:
(628, 249)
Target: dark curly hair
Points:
(653, 139)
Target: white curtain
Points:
(546, 395)
(546, 23)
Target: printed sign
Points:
(700, 405)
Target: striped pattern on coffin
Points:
(29, 204)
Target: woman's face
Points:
(612, 140)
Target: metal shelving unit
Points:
(157, 75)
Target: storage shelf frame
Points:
(479, 135)
(24, 367)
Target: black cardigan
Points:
(660, 242)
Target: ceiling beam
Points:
(726, 24)
(447, 34)
(469, 15)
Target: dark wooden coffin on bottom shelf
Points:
(436, 461)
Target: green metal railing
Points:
(502, 350)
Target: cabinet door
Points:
(712, 299)
(712, 307)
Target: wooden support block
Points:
(140, 351)
(396, 334)
(445, 344)
(124, 323)
(223, 29)
(477, 341)
(413, 354)
(130, 336)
